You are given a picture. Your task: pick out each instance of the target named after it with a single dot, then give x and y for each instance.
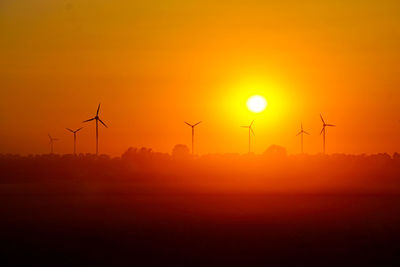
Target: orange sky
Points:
(154, 64)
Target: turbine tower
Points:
(74, 132)
(194, 125)
(302, 132)
(323, 131)
(52, 143)
(250, 127)
(97, 118)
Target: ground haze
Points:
(149, 208)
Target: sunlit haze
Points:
(155, 65)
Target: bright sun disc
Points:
(256, 103)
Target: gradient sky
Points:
(154, 64)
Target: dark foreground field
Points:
(152, 209)
(189, 229)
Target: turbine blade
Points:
(322, 119)
(89, 120)
(245, 126)
(78, 129)
(330, 125)
(302, 126)
(188, 124)
(251, 123)
(69, 130)
(197, 123)
(98, 109)
(306, 132)
(323, 129)
(103, 123)
(299, 133)
(251, 129)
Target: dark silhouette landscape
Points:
(150, 208)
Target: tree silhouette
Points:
(180, 151)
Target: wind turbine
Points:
(302, 132)
(323, 131)
(74, 132)
(194, 125)
(97, 118)
(250, 127)
(52, 143)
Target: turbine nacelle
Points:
(52, 139)
(250, 127)
(302, 130)
(97, 118)
(323, 131)
(324, 125)
(193, 125)
(74, 131)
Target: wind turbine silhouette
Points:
(302, 132)
(323, 131)
(97, 118)
(52, 143)
(74, 132)
(250, 132)
(194, 125)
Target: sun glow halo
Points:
(256, 103)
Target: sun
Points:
(256, 103)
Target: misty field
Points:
(200, 229)
(149, 209)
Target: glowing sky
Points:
(154, 64)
